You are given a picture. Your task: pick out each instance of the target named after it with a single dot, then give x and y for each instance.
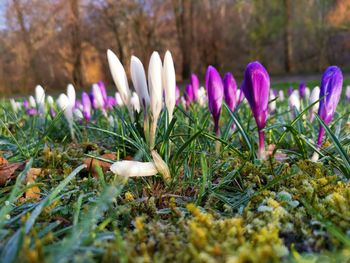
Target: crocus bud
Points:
(65, 105)
(330, 91)
(119, 77)
(256, 88)
(169, 80)
(98, 101)
(118, 99)
(202, 97)
(111, 102)
(315, 96)
(281, 95)
(32, 102)
(294, 103)
(155, 91)
(195, 86)
(230, 90)
(50, 101)
(275, 92)
(135, 102)
(290, 91)
(240, 94)
(40, 98)
(14, 105)
(78, 115)
(272, 104)
(26, 104)
(133, 168)
(347, 93)
(302, 88)
(188, 95)
(71, 95)
(85, 100)
(177, 95)
(307, 93)
(215, 91)
(102, 87)
(138, 78)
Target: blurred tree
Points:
(288, 37)
(76, 43)
(183, 11)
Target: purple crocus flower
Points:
(32, 111)
(177, 95)
(102, 87)
(188, 95)
(85, 99)
(302, 88)
(215, 91)
(330, 91)
(26, 104)
(256, 88)
(195, 86)
(275, 92)
(230, 90)
(241, 96)
(78, 104)
(111, 102)
(290, 91)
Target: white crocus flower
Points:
(315, 96)
(32, 102)
(347, 93)
(111, 121)
(133, 168)
(135, 102)
(78, 115)
(272, 104)
(64, 104)
(138, 78)
(281, 95)
(120, 79)
(50, 100)
(71, 95)
(40, 99)
(307, 93)
(118, 99)
(294, 102)
(98, 98)
(14, 105)
(202, 97)
(155, 90)
(169, 83)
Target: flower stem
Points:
(261, 151)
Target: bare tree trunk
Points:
(76, 44)
(28, 44)
(288, 38)
(183, 15)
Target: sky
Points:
(2, 15)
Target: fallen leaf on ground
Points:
(33, 192)
(92, 162)
(3, 161)
(7, 171)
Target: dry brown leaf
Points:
(3, 161)
(91, 162)
(7, 171)
(33, 192)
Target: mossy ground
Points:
(219, 207)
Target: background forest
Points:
(55, 42)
